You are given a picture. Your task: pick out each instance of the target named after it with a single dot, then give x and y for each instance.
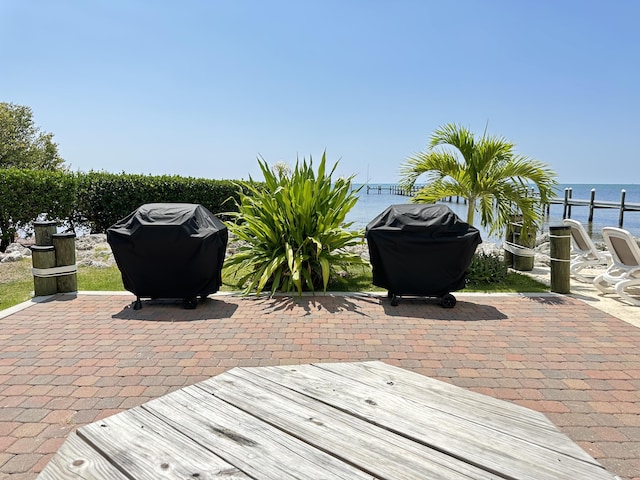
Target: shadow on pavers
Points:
(171, 310)
(314, 303)
(551, 299)
(430, 308)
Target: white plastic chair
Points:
(625, 270)
(586, 253)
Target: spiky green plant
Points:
(292, 229)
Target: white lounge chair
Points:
(625, 270)
(586, 253)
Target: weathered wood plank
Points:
(255, 447)
(326, 421)
(75, 459)
(374, 450)
(146, 448)
(506, 417)
(380, 374)
(477, 444)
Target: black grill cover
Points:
(420, 249)
(170, 250)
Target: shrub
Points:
(96, 200)
(26, 195)
(486, 268)
(292, 229)
(104, 198)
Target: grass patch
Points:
(100, 279)
(17, 284)
(355, 278)
(358, 279)
(15, 292)
(514, 283)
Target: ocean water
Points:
(370, 205)
(601, 217)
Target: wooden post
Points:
(514, 235)
(510, 236)
(65, 245)
(623, 194)
(44, 231)
(591, 202)
(565, 204)
(43, 257)
(560, 244)
(520, 262)
(570, 197)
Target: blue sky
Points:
(202, 87)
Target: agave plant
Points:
(292, 229)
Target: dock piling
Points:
(65, 247)
(43, 257)
(560, 252)
(567, 202)
(623, 194)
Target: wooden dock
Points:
(390, 190)
(567, 201)
(387, 189)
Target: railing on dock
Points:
(568, 201)
(390, 190)
(398, 190)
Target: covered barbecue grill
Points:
(421, 250)
(170, 250)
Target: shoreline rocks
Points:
(15, 252)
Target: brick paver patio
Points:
(73, 360)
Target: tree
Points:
(22, 144)
(486, 171)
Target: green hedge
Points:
(104, 198)
(96, 200)
(26, 195)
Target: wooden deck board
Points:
(248, 442)
(469, 441)
(77, 459)
(374, 449)
(362, 421)
(147, 448)
(506, 417)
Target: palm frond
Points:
(486, 171)
(433, 165)
(452, 135)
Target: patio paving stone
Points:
(74, 359)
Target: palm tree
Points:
(486, 171)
